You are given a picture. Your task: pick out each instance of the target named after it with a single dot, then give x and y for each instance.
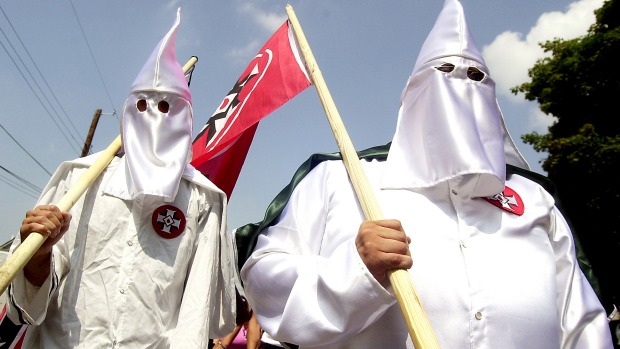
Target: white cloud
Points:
(241, 54)
(270, 21)
(173, 4)
(509, 57)
(511, 54)
(539, 121)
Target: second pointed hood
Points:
(449, 122)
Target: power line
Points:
(32, 157)
(40, 74)
(17, 187)
(37, 96)
(92, 56)
(24, 186)
(31, 88)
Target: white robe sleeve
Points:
(306, 290)
(27, 303)
(583, 321)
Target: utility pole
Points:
(91, 133)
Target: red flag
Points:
(275, 75)
(11, 335)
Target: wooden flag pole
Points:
(24, 252)
(419, 327)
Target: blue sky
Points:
(60, 61)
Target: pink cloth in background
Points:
(239, 342)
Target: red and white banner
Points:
(11, 335)
(275, 75)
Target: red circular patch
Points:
(508, 200)
(168, 221)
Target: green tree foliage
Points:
(579, 84)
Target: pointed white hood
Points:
(156, 127)
(449, 123)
